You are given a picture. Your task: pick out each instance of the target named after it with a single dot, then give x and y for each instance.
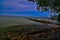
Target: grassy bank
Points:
(17, 32)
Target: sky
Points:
(20, 8)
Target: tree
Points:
(45, 5)
(59, 18)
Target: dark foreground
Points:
(29, 32)
(21, 28)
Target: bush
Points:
(58, 18)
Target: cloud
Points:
(16, 6)
(17, 3)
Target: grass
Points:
(14, 31)
(20, 28)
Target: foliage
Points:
(51, 5)
(48, 4)
(59, 18)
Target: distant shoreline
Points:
(23, 16)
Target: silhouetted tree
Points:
(45, 5)
(59, 18)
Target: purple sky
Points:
(19, 7)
